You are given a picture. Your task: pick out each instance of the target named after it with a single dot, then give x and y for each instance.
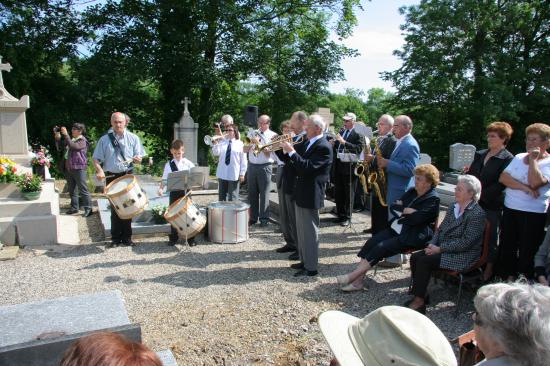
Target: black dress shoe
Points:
(368, 231)
(128, 243)
(285, 249)
(305, 272)
(339, 220)
(87, 212)
(294, 256)
(72, 211)
(421, 310)
(297, 266)
(345, 223)
(192, 242)
(264, 223)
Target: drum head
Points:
(119, 184)
(229, 205)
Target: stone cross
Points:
(186, 101)
(3, 67)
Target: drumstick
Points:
(187, 194)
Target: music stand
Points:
(349, 157)
(184, 180)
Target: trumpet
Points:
(213, 140)
(276, 143)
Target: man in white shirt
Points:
(259, 175)
(231, 165)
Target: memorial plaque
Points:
(461, 155)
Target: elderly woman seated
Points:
(512, 324)
(457, 243)
(415, 216)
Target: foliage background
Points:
(465, 64)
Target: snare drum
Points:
(126, 196)
(228, 222)
(185, 217)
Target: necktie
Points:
(228, 153)
(344, 136)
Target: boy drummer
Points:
(178, 163)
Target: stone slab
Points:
(77, 314)
(8, 252)
(167, 358)
(49, 351)
(67, 230)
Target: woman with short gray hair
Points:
(455, 246)
(512, 324)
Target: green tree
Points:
(468, 63)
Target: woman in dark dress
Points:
(416, 212)
(487, 166)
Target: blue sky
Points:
(375, 37)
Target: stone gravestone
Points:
(13, 124)
(38, 333)
(187, 131)
(327, 116)
(461, 155)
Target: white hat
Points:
(350, 116)
(390, 335)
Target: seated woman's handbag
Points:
(469, 352)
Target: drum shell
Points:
(228, 222)
(130, 201)
(185, 217)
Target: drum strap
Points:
(173, 166)
(116, 146)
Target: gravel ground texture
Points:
(230, 304)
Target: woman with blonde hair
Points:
(526, 202)
(415, 216)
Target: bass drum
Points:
(228, 222)
(185, 217)
(126, 196)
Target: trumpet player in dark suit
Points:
(346, 142)
(287, 211)
(311, 161)
(386, 142)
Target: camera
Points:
(57, 129)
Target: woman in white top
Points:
(525, 204)
(231, 165)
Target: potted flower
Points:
(158, 212)
(8, 178)
(40, 161)
(30, 186)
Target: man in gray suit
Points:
(311, 161)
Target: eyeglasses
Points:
(533, 139)
(230, 130)
(476, 319)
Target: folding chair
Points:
(475, 271)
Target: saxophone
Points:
(378, 179)
(362, 168)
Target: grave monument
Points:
(187, 131)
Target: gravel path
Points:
(213, 304)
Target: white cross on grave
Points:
(185, 102)
(3, 67)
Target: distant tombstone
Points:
(461, 155)
(13, 123)
(187, 131)
(424, 159)
(327, 116)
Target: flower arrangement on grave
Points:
(29, 183)
(41, 157)
(8, 171)
(158, 212)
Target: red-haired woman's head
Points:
(108, 349)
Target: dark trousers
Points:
(174, 196)
(494, 217)
(422, 266)
(379, 214)
(521, 234)
(382, 245)
(344, 191)
(121, 230)
(78, 178)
